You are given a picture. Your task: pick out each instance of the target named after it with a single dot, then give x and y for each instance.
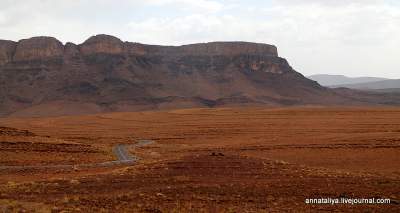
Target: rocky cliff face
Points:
(40, 75)
(38, 48)
(102, 44)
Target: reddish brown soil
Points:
(211, 160)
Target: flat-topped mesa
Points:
(7, 49)
(45, 48)
(38, 48)
(102, 44)
(212, 48)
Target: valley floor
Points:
(204, 160)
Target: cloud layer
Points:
(351, 37)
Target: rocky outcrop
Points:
(7, 49)
(38, 48)
(102, 44)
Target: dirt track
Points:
(121, 153)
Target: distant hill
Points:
(387, 85)
(333, 80)
(391, 90)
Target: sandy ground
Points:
(207, 160)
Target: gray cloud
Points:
(331, 2)
(346, 37)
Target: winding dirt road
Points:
(120, 151)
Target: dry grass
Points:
(264, 160)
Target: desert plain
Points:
(238, 159)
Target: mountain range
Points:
(360, 83)
(374, 85)
(333, 80)
(41, 76)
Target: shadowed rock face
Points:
(7, 49)
(41, 74)
(71, 49)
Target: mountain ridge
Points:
(333, 80)
(105, 74)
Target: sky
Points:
(349, 37)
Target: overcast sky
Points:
(350, 37)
